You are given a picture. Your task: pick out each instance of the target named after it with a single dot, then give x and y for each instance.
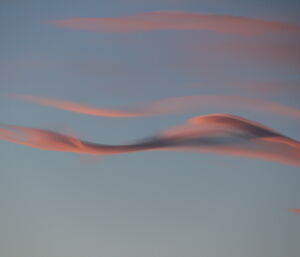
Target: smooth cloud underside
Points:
(178, 20)
(174, 105)
(217, 133)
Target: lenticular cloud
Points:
(216, 133)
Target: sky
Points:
(162, 128)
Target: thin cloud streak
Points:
(295, 211)
(270, 51)
(75, 107)
(269, 88)
(167, 106)
(178, 20)
(216, 133)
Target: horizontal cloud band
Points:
(178, 20)
(217, 133)
(174, 105)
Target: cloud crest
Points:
(178, 20)
(216, 133)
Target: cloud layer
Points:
(178, 20)
(217, 133)
(174, 105)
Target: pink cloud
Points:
(78, 108)
(217, 133)
(178, 20)
(166, 106)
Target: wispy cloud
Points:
(218, 133)
(178, 20)
(270, 51)
(76, 107)
(295, 211)
(174, 105)
(268, 88)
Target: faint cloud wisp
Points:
(178, 20)
(175, 105)
(295, 210)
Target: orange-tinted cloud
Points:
(232, 135)
(190, 103)
(53, 141)
(75, 107)
(295, 211)
(178, 20)
(218, 133)
(174, 105)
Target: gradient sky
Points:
(156, 203)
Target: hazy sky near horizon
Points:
(178, 58)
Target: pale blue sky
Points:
(151, 204)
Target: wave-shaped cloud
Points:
(178, 20)
(166, 106)
(216, 133)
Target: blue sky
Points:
(144, 204)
